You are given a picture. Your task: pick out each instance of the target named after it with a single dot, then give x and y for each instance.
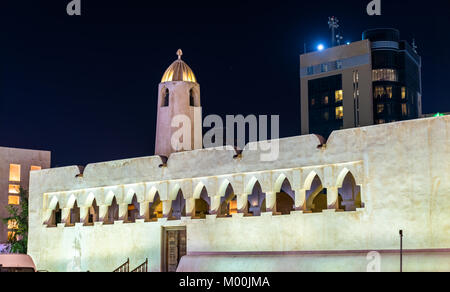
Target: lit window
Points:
(339, 112)
(404, 110)
(325, 100)
(14, 172)
(384, 75)
(380, 108)
(13, 200)
(14, 189)
(12, 224)
(326, 115)
(389, 91)
(11, 235)
(33, 168)
(233, 207)
(379, 91)
(403, 92)
(339, 95)
(313, 101)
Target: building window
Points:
(14, 189)
(384, 75)
(339, 112)
(403, 92)
(380, 121)
(13, 200)
(33, 168)
(313, 101)
(339, 95)
(389, 91)
(165, 99)
(325, 100)
(12, 224)
(380, 108)
(379, 91)
(233, 207)
(310, 70)
(11, 235)
(326, 115)
(14, 172)
(324, 67)
(404, 110)
(339, 64)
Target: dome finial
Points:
(179, 53)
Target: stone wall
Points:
(400, 167)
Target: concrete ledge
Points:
(118, 222)
(266, 214)
(238, 215)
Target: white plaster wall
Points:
(403, 170)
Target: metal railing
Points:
(125, 268)
(142, 268)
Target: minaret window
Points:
(165, 99)
(191, 98)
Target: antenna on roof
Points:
(414, 46)
(333, 24)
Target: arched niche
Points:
(257, 200)
(350, 193)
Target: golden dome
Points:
(179, 71)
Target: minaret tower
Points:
(179, 120)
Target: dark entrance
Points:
(174, 243)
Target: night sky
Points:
(85, 87)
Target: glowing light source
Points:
(348, 43)
(320, 47)
(438, 115)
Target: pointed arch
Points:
(316, 198)
(71, 201)
(113, 212)
(93, 213)
(133, 210)
(228, 200)
(349, 192)
(285, 198)
(155, 210)
(74, 216)
(257, 200)
(178, 206)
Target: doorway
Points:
(174, 247)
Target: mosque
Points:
(335, 205)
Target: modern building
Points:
(373, 81)
(337, 206)
(15, 167)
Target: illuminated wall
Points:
(399, 167)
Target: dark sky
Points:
(86, 87)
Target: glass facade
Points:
(326, 111)
(395, 76)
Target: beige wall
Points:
(400, 167)
(25, 158)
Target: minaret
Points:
(179, 120)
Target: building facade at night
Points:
(317, 207)
(15, 167)
(373, 81)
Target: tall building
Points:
(178, 108)
(15, 167)
(373, 81)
